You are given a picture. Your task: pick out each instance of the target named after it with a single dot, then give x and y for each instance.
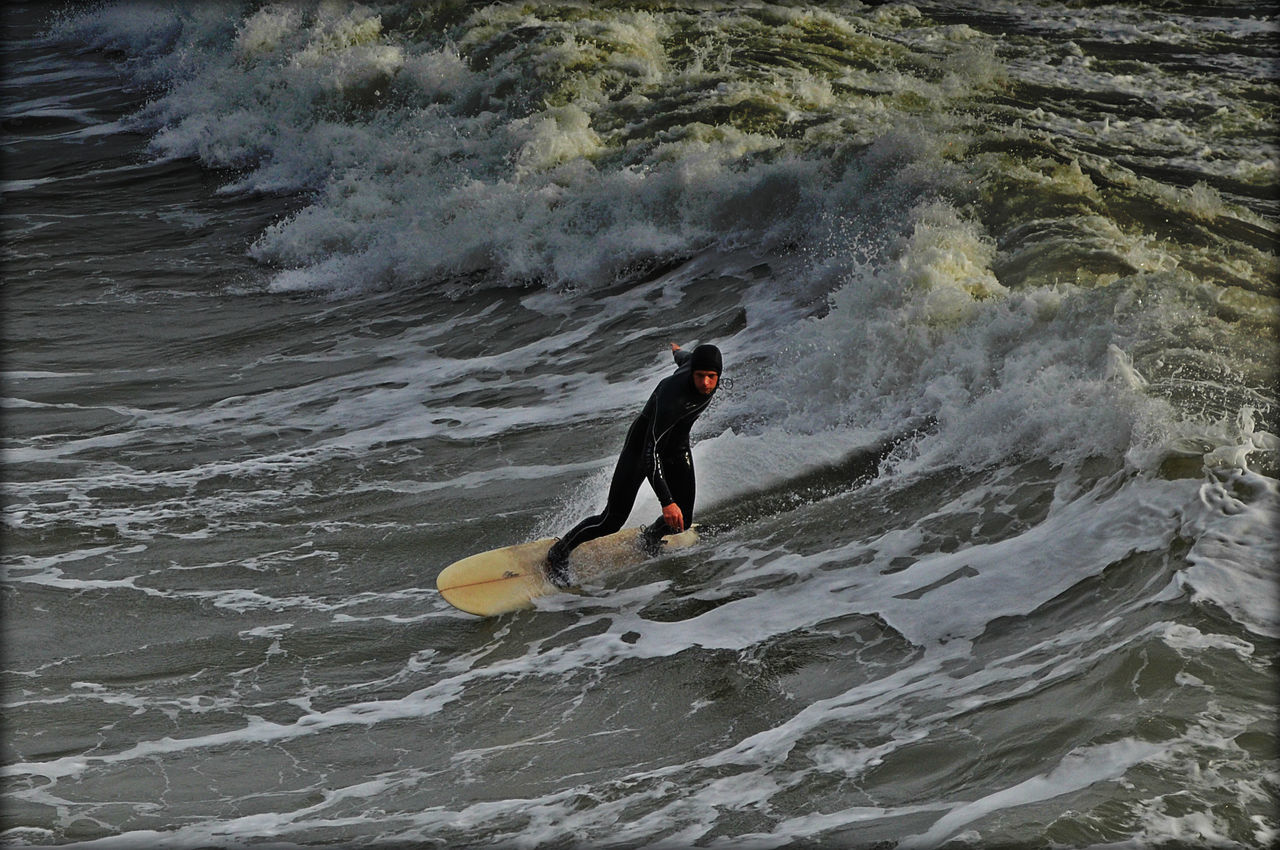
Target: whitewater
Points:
(304, 302)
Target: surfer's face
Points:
(705, 381)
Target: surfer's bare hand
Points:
(674, 517)
(674, 347)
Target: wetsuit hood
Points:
(706, 358)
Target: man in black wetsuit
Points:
(656, 448)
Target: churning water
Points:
(305, 301)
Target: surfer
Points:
(656, 448)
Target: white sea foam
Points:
(1236, 548)
(430, 185)
(1079, 769)
(416, 182)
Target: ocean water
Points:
(303, 302)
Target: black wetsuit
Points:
(657, 449)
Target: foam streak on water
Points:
(303, 303)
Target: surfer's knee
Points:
(613, 522)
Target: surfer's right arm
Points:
(681, 356)
(671, 512)
(653, 465)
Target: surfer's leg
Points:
(627, 477)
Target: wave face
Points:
(306, 301)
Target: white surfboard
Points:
(510, 578)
